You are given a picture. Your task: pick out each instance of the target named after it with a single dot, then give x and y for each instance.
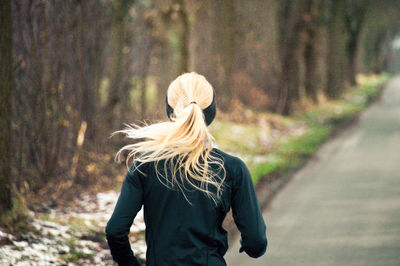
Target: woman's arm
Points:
(118, 227)
(247, 214)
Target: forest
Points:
(73, 72)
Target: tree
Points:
(257, 63)
(315, 48)
(354, 18)
(213, 47)
(120, 37)
(382, 24)
(337, 56)
(292, 27)
(183, 33)
(6, 83)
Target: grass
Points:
(244, 138)
(298, 136)
(289, 151)
(76, 254)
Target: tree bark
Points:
(225, 41)
(292, 27)
(213, 45)
(354, 21)
(183, 29)
(337, 57)
(352, 60)
(257, 63)
(6, 83)
(315, 49)
(118, 71)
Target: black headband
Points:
(209, 112)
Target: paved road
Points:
(343, 207)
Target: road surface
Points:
(343, 207)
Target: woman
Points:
(186, 186)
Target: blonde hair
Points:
(184, 142)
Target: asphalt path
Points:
(343, 207)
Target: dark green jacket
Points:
(183, 233)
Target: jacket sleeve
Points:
(247, 214)
(118, 227)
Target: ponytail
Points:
(184, 143)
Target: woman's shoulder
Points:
(235, 167)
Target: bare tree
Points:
(292, 27)
(315, 49)
(213, 46)
(337, 56)
(354, 18)
(119, 40)
(381, 27)
(255, 79)
(6, 83)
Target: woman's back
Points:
(184, 227)
(186, 186)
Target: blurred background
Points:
(74, 71)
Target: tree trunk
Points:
(352, 59)
(183, 29)
(225, 41)
(90, 49)
(315, 49)
(118, 71)
(6, 83)
(212, 45)
(354, 21)
(257, 62)
(337, 60)
(292, 27)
